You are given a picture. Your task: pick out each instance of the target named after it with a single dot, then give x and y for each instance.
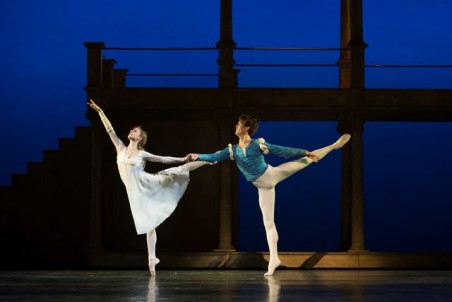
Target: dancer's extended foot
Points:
(272, 265)
(152, 263)
(342, 141)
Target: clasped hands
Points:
(191, 157)
(312, 156)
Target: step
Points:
(50, 155)
(34, 167)
(66, 143)
(19, 180)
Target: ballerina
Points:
(152, 197)
(249, 157)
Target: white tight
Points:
(194, 165)
(266, 189)
(151, 240)
(151, 237)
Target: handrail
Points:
(173, 74)
(335, 65)
(291, 48)
(260, 65)
(160, 48)
(286, 65)
(406, 66)
(166, 49)
(236, 48)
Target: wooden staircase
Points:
(44, 216)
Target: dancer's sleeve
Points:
(216, 157)
(119, 145)
(162, 159)
(281, 151)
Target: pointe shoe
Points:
(272, 265)
(152, 263)
(342, 141)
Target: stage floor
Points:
(226, 285)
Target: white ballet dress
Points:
(152, 197)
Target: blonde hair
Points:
(144, 138)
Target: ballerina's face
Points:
(134, 134)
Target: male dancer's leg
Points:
(266, 190)
(285, 170)
(267, 205)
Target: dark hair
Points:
(249, 121)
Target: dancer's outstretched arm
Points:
(212, 157)
(163, 159)
(119, 145)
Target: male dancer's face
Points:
(240, 129)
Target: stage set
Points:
(85, 248)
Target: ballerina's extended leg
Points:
(194, 165)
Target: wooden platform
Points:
(226, 285)
(239, 260)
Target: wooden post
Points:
(357, 192)
(344, 127)
(356, 44)
(94, 68)
(226, 45)
(344, 60)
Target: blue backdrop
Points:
(407, 165)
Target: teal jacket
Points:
(250, 160)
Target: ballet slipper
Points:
(342, 141)
(272, 265)
(152, 263)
